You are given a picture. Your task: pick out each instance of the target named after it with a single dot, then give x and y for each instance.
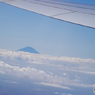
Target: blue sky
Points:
(20, 28)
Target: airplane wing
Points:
(81, 14)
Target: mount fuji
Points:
(29, 49)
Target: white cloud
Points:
(67, 63)
(76, 60)
(64, 74)
(84, 66)
(13, 82)
(56, 93)
(40, 58)
(31, 73)
(54, 85)
(40, 75)
(65, 94)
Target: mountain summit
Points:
(29, 49)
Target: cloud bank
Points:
(59, 72)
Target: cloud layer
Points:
(59, 72)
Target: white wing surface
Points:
(71, 12)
